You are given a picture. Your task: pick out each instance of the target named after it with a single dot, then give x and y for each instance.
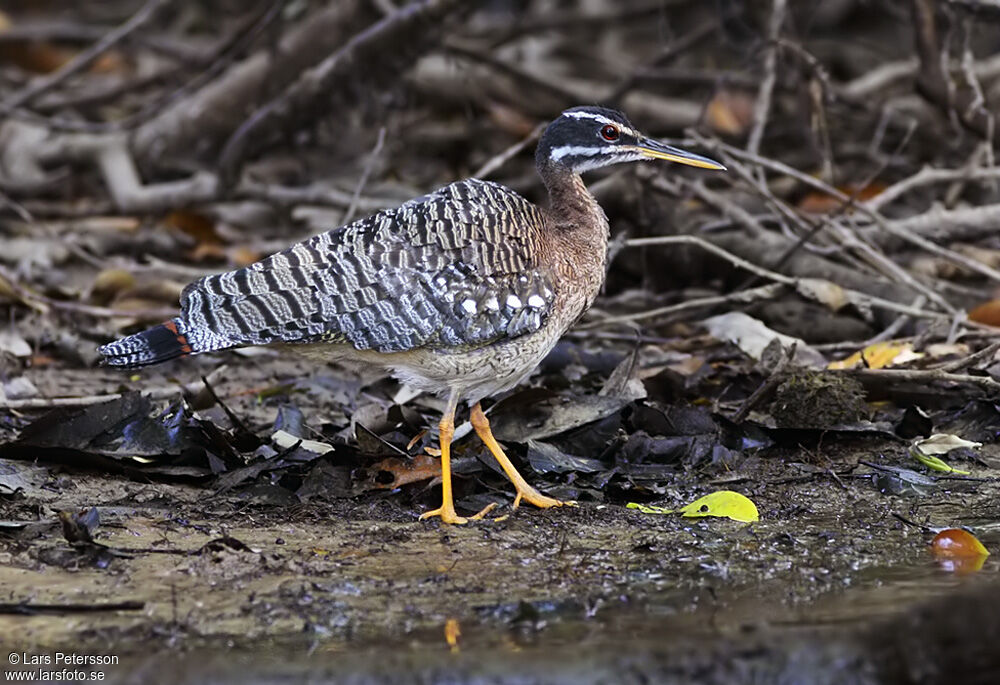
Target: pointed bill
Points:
(656, 150)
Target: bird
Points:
(460, 292)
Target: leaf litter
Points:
(238, 482)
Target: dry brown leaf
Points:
(878, 356)
(984, 255)
(823, 291)
(150, 295)
(198, 226)
(933, 266)
(43, 57)
(243, 256)
(109, 283)
(207, 252)
(39, 57)
(987, 313)
(941, 350)
(511, 120)
(404, 471)
(111, 62)
(730, 113)
(817, 202)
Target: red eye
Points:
(609, 132)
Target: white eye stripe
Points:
(590, 115)
(599, 118)
(575, 150)
(621, 153)
(581, 167)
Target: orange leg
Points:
(524, 490)
(447, 509)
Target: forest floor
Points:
(816, 329)
(207, 585)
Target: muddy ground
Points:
(221, 584)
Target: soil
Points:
(227, 584)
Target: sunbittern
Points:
(461, 292)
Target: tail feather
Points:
(152, 346)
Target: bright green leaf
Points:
(926, 450)
(649, 509)
(724, 503)
(935, 463)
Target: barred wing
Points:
(456, 268)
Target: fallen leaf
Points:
(941, 350)
(958, 552)
(725, 503)
(722, 503)
(109, 283)
(207, 252)
(987, 313)
(285, 440)
(13, 344)
(19, 387)
(942, 443)
(243, 256)
(825, 292)
(452, 632)
(546, 458)
(955, 542)
(510, 119)
(936, 463)
(39, 57)
(730, 113)
(818, 202)
(208, 245)
(403, 471)
(925, 451)
(519, 419)
(753, 337)
(111, 62)
(878, 356)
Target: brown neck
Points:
(576, 232)
(571, 206)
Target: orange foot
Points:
(448, 514)
(532, 496)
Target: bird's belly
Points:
(474, 373)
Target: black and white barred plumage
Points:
(460, 293)
(453, 269)
(468, 266)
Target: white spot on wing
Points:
(469, 306)
(513, 301)
(536, 302)
(492, 304)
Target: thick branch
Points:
(934, 83)
(377, 54)
(201, 122)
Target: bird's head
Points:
(585, 138)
